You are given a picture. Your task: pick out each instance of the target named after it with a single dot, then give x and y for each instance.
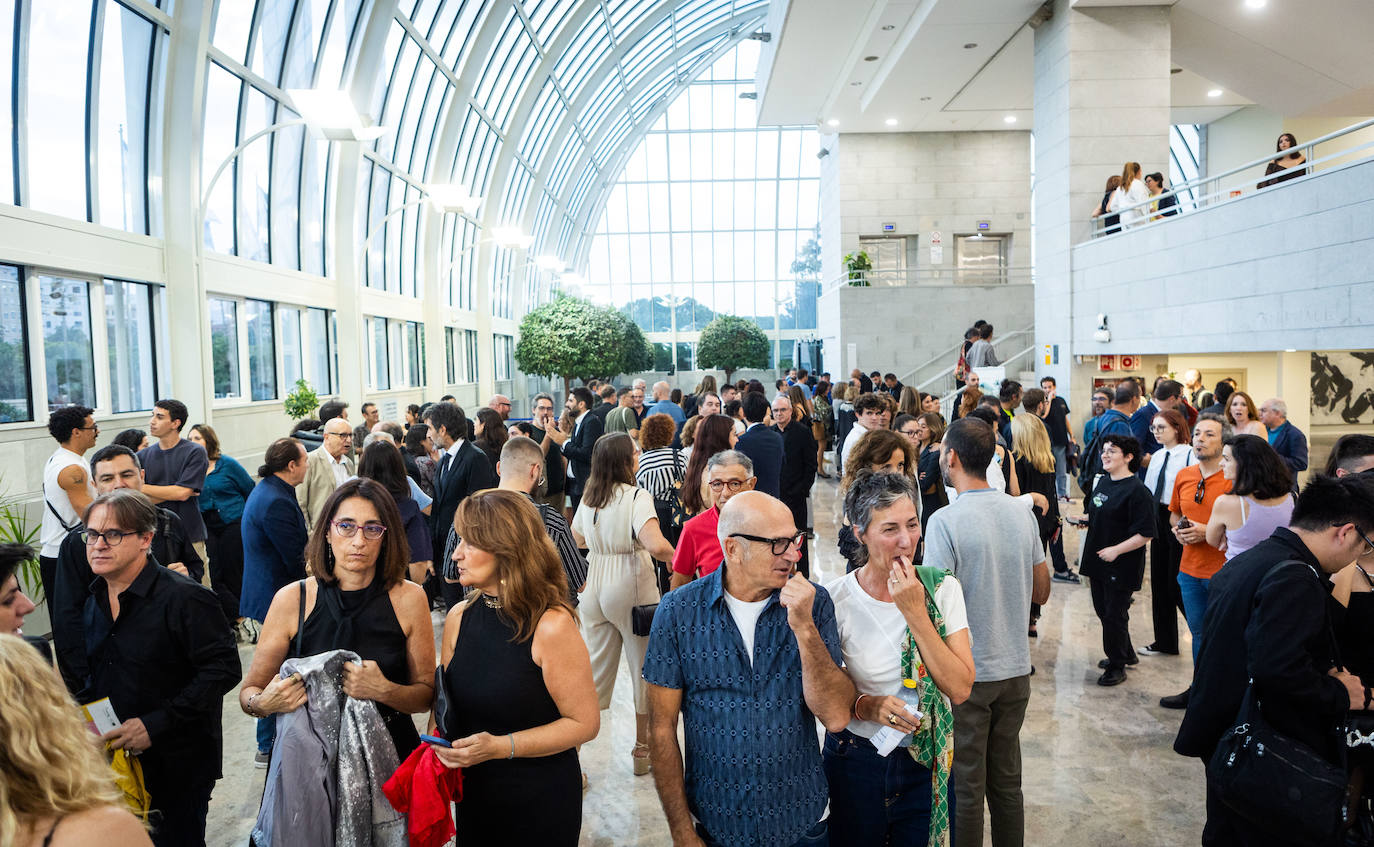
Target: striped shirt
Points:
(574, 565)
(659, 469)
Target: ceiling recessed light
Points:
(889, 27)
(891, 121)
(1256, 4)
(924, 99)
(833, 122)
(1215, 92)
(870, 58)
(856, 82)
(1009, 119)
(970, 45)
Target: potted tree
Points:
(729, 343)
(858, 265)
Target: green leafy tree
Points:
(730, 343)
(301, 401)
(571, 338)
(636, 354)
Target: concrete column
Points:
(1101, 99)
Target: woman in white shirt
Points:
(1131, 192)
(1170, 429)
(903, 628)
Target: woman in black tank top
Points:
(359, 600)
(518, 695)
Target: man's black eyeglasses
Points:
(112, 537)
(779, 545)
(1201, 493)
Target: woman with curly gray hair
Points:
(904, 636)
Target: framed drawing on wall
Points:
(1343, 387)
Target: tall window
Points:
(379, 356)
(712, 215)
(504, 356)
(15, 402)
(262, 350)
(308, 348)
(129, 336)
(92, 123)
(224, 347)
(67, 348)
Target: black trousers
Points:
(1166, 600)
(1113, 607)
(179, 806)
(798, 509)
(47, 574)
(224, 546)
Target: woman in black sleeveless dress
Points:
(517, 680)
(358, 600)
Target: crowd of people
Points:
(675, 534)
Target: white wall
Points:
(1287, 267)
(1252, 132)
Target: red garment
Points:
(698, 550)
(422, 789)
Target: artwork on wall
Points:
(1343, 387)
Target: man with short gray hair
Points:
(698, 551)
(329, 466)
(1287, 440)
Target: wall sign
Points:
(1106, 362)
(1130, 363)
(889, 227)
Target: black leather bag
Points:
(1278, 783)
(641, 615)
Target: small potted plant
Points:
(858, 264)
(302, 401)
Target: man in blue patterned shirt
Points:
(749, 656)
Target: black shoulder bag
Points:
(641, 615)
(1276, 782)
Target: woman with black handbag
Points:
(618, 526)
(661, 467)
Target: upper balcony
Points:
(1242, 268)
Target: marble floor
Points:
(1098, 763)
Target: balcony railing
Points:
(929, 276)
(1229, 185)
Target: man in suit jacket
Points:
(762, 445)
(1287, 440)
(587, 428)
(329, 467)
(463, 469)
(798, 468)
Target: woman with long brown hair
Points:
(618, 526)
(359, 600)
(517, 680)
(1128, 196)
(1243, 417)
(490, 434)
(909, 403)
(714, 434)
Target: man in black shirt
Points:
(555, 478)
(113, 468)
(799, 467)
(159, 648)
(1057, 424)
(1268, 621)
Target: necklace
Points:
(490, 601)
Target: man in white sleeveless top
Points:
(67, 486)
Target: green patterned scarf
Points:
(933, 743)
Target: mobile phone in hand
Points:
(1183, 522)
(431, 739)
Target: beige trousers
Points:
(615, 584)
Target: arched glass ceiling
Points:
(712, 215)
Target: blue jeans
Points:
(876, 800)
(1195, 593)
(267, 733)
(1061, 470)
(816, 836)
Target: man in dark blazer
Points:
(762, 445)
(463, 469)
(798, 468)
(587, 428)
(1287, 440)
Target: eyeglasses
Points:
(112, 537)
(92, 427)
(1158, 427)
(336, 435)
(734, 484)
(348, 529)
(779, 545)
(1368, 545)
(1201, 493)
(911, 433)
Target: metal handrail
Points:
(1201, 196)
(947, 401)
(951, 353)
(901, 278)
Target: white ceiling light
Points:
(446, 197)
(549, 262)
(1256, 4)
(833, 122)
(511, 236)
(891, 121)
(331, 114)
(1009, 119)
(571, 279)
(1215, 92)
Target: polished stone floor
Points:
(1098, 763)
